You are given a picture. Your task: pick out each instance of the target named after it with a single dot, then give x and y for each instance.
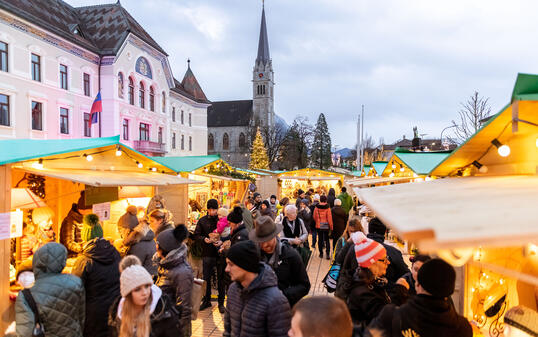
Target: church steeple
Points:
(263, 43)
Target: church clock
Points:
(260, 75)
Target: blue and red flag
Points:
(97, 107)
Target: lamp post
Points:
(448, 127)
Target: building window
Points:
(151, 99)
(141, 95)
(225, 142)
(87, 125)
(131, 91)
(36, 67)
(164, 102)
(125, 129)
(242, 141)
(87, 84)
(144, 131)
(174, 140)
(173, 114)
(183, 142)
(4, 110)
(210, 142)
(37, 116)
(190, 143)
(3, 56)
(160, 135)
(120, 85)
(263, 89)
(64, 121)
(190, 119)
(182, 117)
(63, 76)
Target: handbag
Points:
(38, 330)
(331, 279)
(305, 253)
(198, 287)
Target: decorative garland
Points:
(223, 171)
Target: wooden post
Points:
(5, 250)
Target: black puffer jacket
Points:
(366, 300)
(339, 221)
(99, 271)
(261, 310)
(164, 319)
(239, 234)
(144, 248)
(176, 280)
(425, 316)
(70, 235)
(206, 225)
(291, 273)
(397, 267)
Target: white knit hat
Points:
(367, 251)
(133, 277)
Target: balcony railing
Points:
(149, 146)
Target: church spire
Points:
(263, 43)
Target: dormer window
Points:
(75, 29)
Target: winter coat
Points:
(306, 216)
(162, 227)
(70, 233)
(291, 273)
(397, 267)
(239, 234)
(60, 298)
(312, 207)
(424, 315)
(164, 318)
(144, 248)
(176, 280)
(98, 267)
(260, 310)
(207, 224)
(348, 265)
(292, 230)
(330, 197)
(339, 221)
(366, 300)
(247, 218)
(322, 214)
(347, 201)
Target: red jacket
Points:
(322, 213)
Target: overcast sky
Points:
(409, 62)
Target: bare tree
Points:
(471, 113)
(273, 137)
(297, 145)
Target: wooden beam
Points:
(6, 309)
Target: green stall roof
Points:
(260, 173)
(379, 166)
(367, 169)
(421, 162)
(187, 163)
(17, 150)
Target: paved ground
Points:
(210, 321)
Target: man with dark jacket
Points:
(300, 196)
(210, 255)
(397, 267)
(255, 306)
(282, 258)
(339, 221)
(430, 313)
(98, 267)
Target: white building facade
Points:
(54, 59)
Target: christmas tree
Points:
(258, 157)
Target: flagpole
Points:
(99, 81)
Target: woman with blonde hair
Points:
(142, 310)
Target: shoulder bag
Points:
(39, 330)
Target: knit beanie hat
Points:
(376, 226)
(129, 218)
(91, 228)
(171, 239)
(236, 216)
(367, 251)
(246, 255)
(522, 318)
(212, 204)
(133, 277)
(437, 277)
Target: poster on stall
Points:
(10, 225)
(102, 210)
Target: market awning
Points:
(460, 212)
(187, 163)
(219, 177)
(379, 166)
(113, 178)
(420, 163)
(366, 182)
(308, 178)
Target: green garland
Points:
(223, 171)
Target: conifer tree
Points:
(258, 157)
(321, 145)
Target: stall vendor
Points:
(70, 232)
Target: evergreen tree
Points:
(258, 156)
(321, 145)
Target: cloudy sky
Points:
(409, 62)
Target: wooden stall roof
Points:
(187, 163)
(420, 163)
(258, 172)
(460, 212)
(379, 166)
(365, 182)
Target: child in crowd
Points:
(223, 227)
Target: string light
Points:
(154, 169)
(139, 164)
(503, 150)
(38, 165)
(391, 174)
(393, 166)
(118, 151)
(88, 157)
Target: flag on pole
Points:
(97, 107)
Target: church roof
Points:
(190, 84)
(229, 113)
(103, 27)
(263, 43)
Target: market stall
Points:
(266, 181)
(320, 180)
(406, 163)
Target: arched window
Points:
(120, 85)
(164, 102)
(131, 91)
(210, 142)
(225, 142)
(151, 99)
(182, 117)
(242, 142)
(183, 142)
(141, 95)
(263, 89)
(190, 143)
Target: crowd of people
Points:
(257, 253)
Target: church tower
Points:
(263, 80)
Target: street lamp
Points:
(448, 127)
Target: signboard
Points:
(102, 210)
(10, 225)
(97, 195)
